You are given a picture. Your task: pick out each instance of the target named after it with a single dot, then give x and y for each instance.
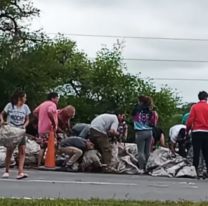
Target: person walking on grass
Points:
(17, 115)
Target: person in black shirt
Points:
(81, 130)
(74, 147)
(158, 137)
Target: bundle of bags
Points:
(10, 136)
(162, 163)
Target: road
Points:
(45, 184)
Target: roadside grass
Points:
(93, 202)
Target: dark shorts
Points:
(23, 142)
(42, 140)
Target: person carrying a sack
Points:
(16, 114)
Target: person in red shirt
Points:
(198, 124)
(47, 116)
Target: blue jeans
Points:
(143, 140)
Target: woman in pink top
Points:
(47, 119)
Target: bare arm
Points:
(172, 147)
(2, 117)
(36, 112)
(27, 120)
(113, 132)
(51, 117)
(190, 120)
(114, 127)
(162, 140)
(126, 132)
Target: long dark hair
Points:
(16, 96)
(145, 104)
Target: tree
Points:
(39, 65)
(12, 15)
(94, 87)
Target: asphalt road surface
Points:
(45, 184)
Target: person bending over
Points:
(177, 136)
(158, 137)
(74, 147)
(81, 130)
(102, 128)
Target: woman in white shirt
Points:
(17, 115)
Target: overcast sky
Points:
(149, 18)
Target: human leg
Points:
(102, 144)
(73, 152)
(140, 141)
(162, 140)
(147, 147)
(42, 140)
(205, 147)
(9, 152)
(196, 141)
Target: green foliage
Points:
(92, 86)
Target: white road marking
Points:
(185, 183)
(69, 182)
(193, 187)
(159, 185)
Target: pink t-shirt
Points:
(44, 122)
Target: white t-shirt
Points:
(105, 122)
(16, 115)
(174, 131)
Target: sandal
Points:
(22, 176)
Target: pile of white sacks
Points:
(124, 160)
(32, 150)
(160, 163)
(11, 137)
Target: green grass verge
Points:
(93, 202)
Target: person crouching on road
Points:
(74, 147)
(17, 113)
(47, 116)
(102, 127)
(64, 119)
(177, 135)
(81, 130)
(158, 138)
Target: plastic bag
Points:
(11, 136)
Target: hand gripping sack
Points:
(11, 136)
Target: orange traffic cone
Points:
(50, 154)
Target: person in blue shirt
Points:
(144, 119)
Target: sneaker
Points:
(5, 175)
(69, 169)
(75, 167)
